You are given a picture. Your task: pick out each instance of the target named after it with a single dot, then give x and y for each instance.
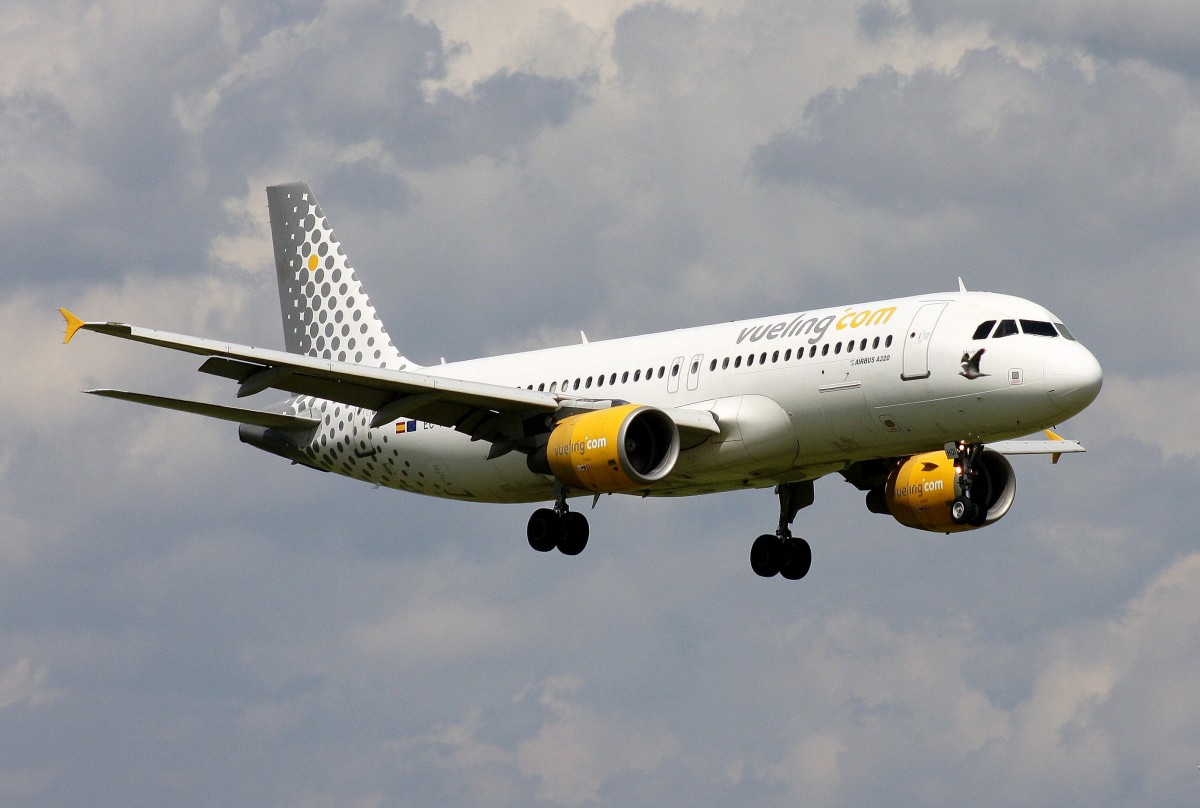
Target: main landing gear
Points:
(782, 553)
(558, 527)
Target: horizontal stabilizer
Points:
(240, 415)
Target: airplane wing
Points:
(1055, 447)
(484, 411)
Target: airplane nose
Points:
(1073, 377)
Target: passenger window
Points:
(1039, 328)
(588, 383)
(749, 360)
(1006, 329)
(637, 375)
(725, 363)
(542, 387)
(874, 343)
(775, 356)
(612, 379)
(1062, 329)
(837, 349)
(762, 360)
(825, 349)
(576, 385)
(887, 343)
(812, 351)
(850, 346)
(624, 377)
(662, 371)
(553, 387)
(862, 346)
(984, 329)
(674, 371)
(737, 361)
(787, 355)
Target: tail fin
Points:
(326, 312)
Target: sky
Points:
(186, 621)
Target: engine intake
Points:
(607, 451)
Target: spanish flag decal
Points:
(405, 426)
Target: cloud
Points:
(1164, 33)
(579, 749)
(189, 621)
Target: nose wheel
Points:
(782, 553)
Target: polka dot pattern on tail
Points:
(319, 292)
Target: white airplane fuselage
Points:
(796, 396)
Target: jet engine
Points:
(932, 492)
(608, 451)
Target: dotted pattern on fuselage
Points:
(327, 314)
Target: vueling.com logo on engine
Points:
(580, 446)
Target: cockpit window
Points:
(1038, 328)
(1062, 329)
(984, 329)
(1006, 329)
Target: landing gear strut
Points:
(558, 527)
(782, 553)
(966, 508)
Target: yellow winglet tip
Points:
(1052, 435)
(73, 324)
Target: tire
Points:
(544, 531)
(575, 533)
(764, 556)
(797, 560)
(959, 510)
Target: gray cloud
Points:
(186, 621)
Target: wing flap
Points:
(240, 415)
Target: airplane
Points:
(916, 401)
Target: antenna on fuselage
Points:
(962, 287)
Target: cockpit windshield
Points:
(1007, 328)
(1038, 328)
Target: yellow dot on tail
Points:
(312, 263)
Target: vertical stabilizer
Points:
(326, 312)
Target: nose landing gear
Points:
(967, 508)
(782, 553)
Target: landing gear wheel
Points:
(797, 558)
(964, 511)
(765, 556)
(545, 530)
(575, 533)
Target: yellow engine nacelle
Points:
(619, 449)
(921, 490)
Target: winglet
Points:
(73, 324)
(1053, 436)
